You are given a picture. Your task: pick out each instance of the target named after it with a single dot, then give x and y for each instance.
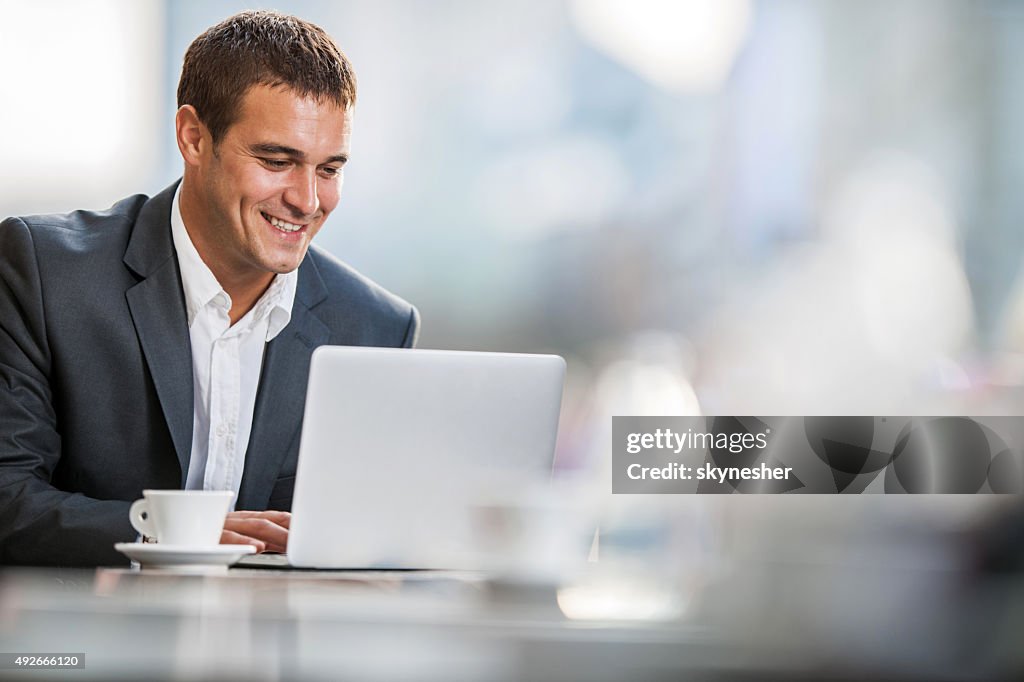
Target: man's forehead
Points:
(281, 97)
(278, 116)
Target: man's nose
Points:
(301, 193)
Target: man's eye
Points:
(330, 171)
(276, 163)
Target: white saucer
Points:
(157, 555)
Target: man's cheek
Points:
(329, 199)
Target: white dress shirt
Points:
(226, 362)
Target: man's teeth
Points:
(282, 225)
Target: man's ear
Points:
(193, 137)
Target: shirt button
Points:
(221, 430)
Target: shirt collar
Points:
(277, 302)
(201, 288)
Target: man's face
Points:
(270, 183)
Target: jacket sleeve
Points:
(39, 524)
(412, 331)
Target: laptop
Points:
(400, 448)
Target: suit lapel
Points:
(282, 391)
(157, 308)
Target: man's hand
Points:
(267, 531)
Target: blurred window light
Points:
(571, 182)
(520, 91)
(892, 216)
(649, 378)
(679, 45)
(82, 96)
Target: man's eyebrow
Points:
(292, 152)
(267, 148)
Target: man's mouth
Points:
(282, 225)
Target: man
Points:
(165, 342)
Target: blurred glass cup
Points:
(649, 561)
(536, 534)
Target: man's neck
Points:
(244, 294)
(243, 285)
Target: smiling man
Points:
(165, 342)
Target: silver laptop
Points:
(400, 448)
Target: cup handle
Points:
(139, 516)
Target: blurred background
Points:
(729, 207)
(721, 207)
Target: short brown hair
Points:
(261, 48)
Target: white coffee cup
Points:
(181, 517)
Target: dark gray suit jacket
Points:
(96, 375)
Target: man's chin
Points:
(286, 262)
(284, 267)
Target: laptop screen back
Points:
(399, 447)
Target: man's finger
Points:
(261, 529)
(281, 518)
(228, 537)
